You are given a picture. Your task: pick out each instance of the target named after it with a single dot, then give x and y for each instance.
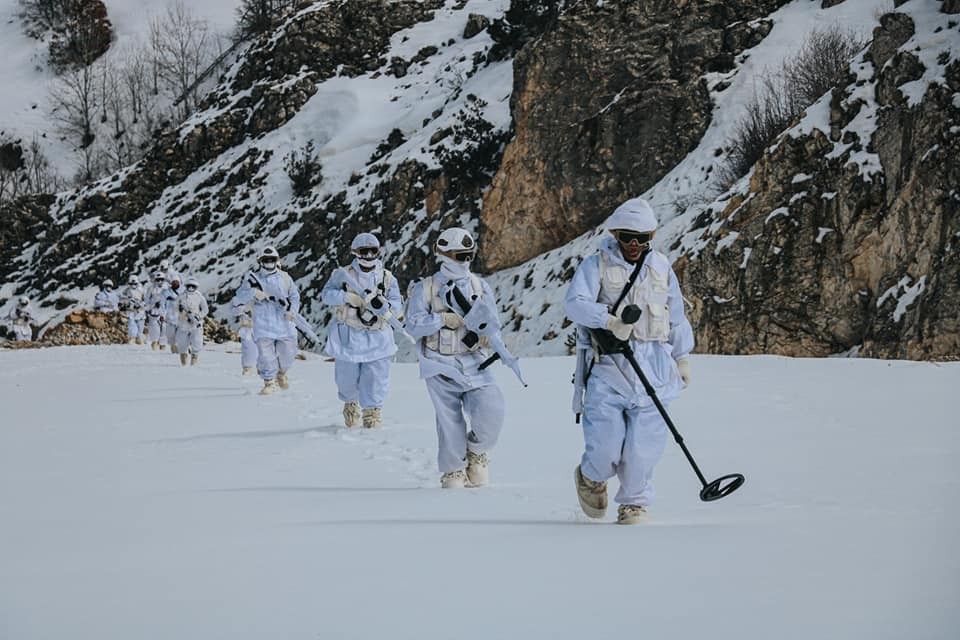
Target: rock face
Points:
(845, 238)
(605, 103)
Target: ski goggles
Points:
(626, 237)
(367, 253)
(191, 287)
(462, 256)
(268, 262)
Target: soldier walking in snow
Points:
(248, 346)
(624, 434)
(360, 338)
(132, 301)
(451, 352)
(21, 320)
(154, 302)
(276, 302)
(191, 310)
(171, 314)
(106, 300)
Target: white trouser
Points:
(366, 382)
(274, 356)
(621, 439)
(248, 348)
(155, 329)
(134, 327)
(189, 339)
(22, 332)
(170, 332)
(455, 404)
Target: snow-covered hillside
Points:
(534, 291)
(142, 500)
(387, 115)
(27, 79)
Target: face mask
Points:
(367, 263)
(453, 269)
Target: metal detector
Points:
(609, 344)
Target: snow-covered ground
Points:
(140, 500)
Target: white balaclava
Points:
(365, 241)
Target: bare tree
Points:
(260, 16)
(75, 110)
(183, 46)
(25, 170)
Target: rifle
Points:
(495, 337)
(299, 322)
(376, 303)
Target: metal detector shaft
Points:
(711, 490)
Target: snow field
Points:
(142, 500)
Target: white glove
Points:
(290, 316)
(353, 299)
(258, 294)
(683, 365)
(451, 320)
(620, 329)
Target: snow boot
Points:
(453, 479)
(132, 341)
(248, 371)
(269, 386)
(154, 345)
(478, 472)
(183, 359)
(193, 359)
(173, 349)
(282, 380)
(162, 347)
(140, 340)
(592, 495)
(351, 414)
(371, 418)
(631, 514)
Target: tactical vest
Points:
(446, 341)
(650, 294)
(370, 321)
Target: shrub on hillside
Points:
(821, 65)
(304, 169)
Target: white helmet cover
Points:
(364, 241)
(108, 283)
(192, 282)
(24, 301)
(455, 239)
(633, 215)
(270, 252)
(133, 279)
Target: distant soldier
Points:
(21, 319)
(106, 300)
(154, 301)
(248, 346)
(276, 303)
(191, 310)
(133, 303)
(170, 313)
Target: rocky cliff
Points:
(845, 237)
